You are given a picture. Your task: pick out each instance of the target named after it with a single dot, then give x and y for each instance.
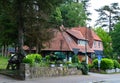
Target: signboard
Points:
(75, 50)
(99, 61)
(99, 57)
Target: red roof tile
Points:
(58, 43)
(25, 47)
(75, 33)
(89, 34)
(72, 44)
(63, 42)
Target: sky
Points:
(96, 4)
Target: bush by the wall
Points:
(32, 58)
(84, 68)
(116, 64)
(90, 66)
(95, 63)
(105, 64)
(75, 59)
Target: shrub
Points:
(75, 59)
(116, 64)
(90, 66)
(95, 63)
(32, 58)
(47, 58)
(84, 68)
(105, 64)
(73, 65)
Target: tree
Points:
(106, 39)
(56, 17)
(73, 14)
(27, 12)
(38, 11)
(116, 38)
(8, 32)
(37, 22)
(86, 4)
(108, 16)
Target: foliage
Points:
(115, 38)
(84, 68)
(73, 65)
(37, 22)
(108, 15)
(32, 59)
(51, 59)
(59, 62)
(8, 29)
(95, 63)
(73, 14)
(86, 5)
(56, 17)
(47, 58)
(116, 64)
(75, 59)
(68, 62)
(19, 18)
(106, 40)
(105, 64)
(90, 66)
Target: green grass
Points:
(3, 62)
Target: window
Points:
(95, 44)
(82, 42)
(99, 44)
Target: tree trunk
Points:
(20, 27)
(2, 50)
(6, 50)
(20, 24)
(37, 47)
(110, 27)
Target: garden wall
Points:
(27, 72)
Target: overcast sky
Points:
(96, 4)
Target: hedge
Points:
(105, 64)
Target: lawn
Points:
(3, 62)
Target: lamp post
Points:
(86, 42)
(86, 57)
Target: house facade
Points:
(95, 43)
(66, 40)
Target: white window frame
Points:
(95, 44)
(82, 42)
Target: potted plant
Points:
(68, 63)
(59, 63)
(52, 64)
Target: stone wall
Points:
(27, 72)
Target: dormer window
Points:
(82, 42)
